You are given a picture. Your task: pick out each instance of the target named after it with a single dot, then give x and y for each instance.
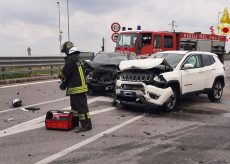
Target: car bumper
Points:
(139, 91)
(101, 86)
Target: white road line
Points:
(39, 122)
(42, 103)
(18, 85)
(226, 115)
(87, 141)
(100, 98)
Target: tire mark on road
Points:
(87, 141)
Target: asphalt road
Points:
(197, 132)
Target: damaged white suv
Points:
(164, 77)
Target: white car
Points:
(164, 77)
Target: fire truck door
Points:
(146, 47)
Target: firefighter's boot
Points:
(75, 121)
(85, 126)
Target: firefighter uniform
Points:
(76, 86)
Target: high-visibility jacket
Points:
(73, 73)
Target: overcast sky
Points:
(34, 23)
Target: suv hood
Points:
(102, 67)
(143, 64)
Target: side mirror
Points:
(188, 66)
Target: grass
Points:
(24, 72)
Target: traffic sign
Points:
(115, 27)
(114, 37)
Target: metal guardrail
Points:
(31, 62)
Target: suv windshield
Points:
(109, 58)
(172, 58)
(127, 40)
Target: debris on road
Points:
(16, 103)
(10, 119)
(147, 133)
(24, 109)
(32, 108)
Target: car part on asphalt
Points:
(16, 103)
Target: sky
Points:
(35, 23)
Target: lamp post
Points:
(59, 27)
(68, 18)
(218, 22)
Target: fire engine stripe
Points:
(88, 141)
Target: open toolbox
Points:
(59, 120)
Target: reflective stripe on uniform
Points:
(75, 113)
(81, 75)
(74, 90)
(82, 117)
(80, 89)
(88, 115)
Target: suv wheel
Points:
(170, 104)
(216, 92)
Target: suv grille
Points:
(136, 77)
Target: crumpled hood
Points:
(102, 67)
(142, 63)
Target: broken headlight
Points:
(159, 81)
(89, 76)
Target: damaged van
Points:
(164, 77)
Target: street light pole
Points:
(59, 26)
(68, 18)
(218, 22)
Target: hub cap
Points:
(218, 91)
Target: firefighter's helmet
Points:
(68, 48)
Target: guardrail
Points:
(10, 66)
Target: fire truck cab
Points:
(144, 43)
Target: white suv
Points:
(164, 77)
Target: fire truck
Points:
(144, 43)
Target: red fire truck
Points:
(144, 43)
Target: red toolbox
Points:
(59, 120)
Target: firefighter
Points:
(75, 85)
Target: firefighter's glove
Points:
(60, 76)
(63, 85)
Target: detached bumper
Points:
(139, 91)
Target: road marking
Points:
(87, 141)
(42, 103)
(227, 115)
(100, 98)
(39, 122)
(18, 85)
(175, 136)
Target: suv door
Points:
(209, 70)
(192, 79)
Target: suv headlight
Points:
(89, 76)
(159, 79)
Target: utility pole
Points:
(59, 27)
(103, 45)
(218, 22)
(68, 19)
(173, 25)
